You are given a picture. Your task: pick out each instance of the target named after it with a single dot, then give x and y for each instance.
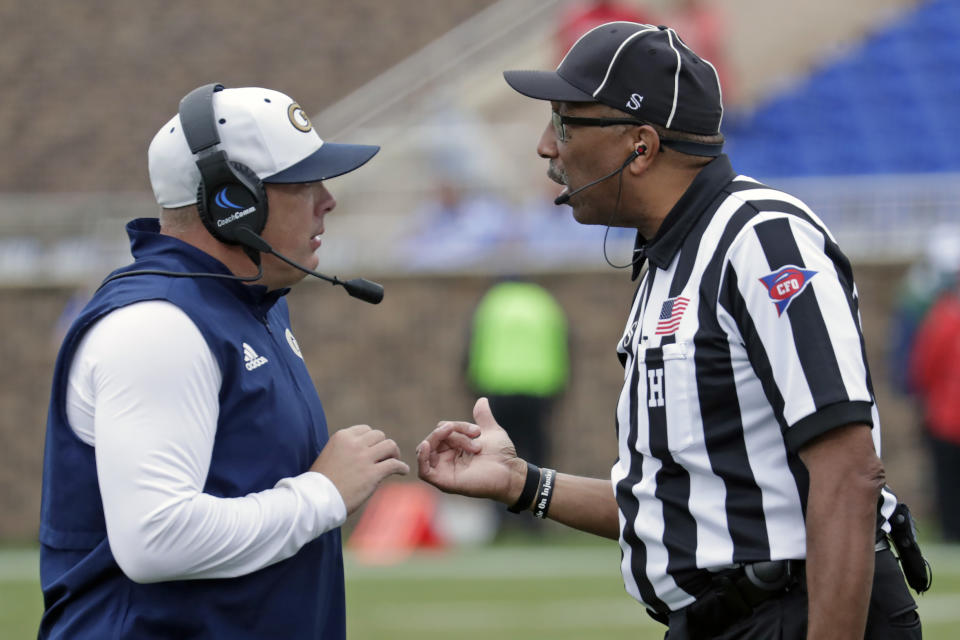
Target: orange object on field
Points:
(398, 519)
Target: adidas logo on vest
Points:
(251, 359)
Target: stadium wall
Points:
(398, 366)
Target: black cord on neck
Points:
(637, 258)
(182, 274)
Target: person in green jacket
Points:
(518, 357)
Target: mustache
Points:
(557, 176)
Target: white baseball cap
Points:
(263, 129)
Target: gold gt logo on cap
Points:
(298, 117)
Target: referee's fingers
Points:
(462, 441)
(444, 429)
(423, 459)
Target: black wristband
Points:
(545, 493)
(529, 492)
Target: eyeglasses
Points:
(560, 122)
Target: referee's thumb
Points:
(482, 414)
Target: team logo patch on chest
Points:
(294, 345)
(784, 284)
(250, 358)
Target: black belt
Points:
(731, 595)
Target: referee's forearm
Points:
(840, 559)
(845, 482)
(587, 504)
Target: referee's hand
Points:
(477, 460)
(356, 460)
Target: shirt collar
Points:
(146, 243)
(678, 223)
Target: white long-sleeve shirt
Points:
(150, 409)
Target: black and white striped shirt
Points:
(743, 343)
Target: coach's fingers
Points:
(357, 429)
(384, 450)
(373, 436)
(393, 467)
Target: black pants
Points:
(892, 614)
(946, 474)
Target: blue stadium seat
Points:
(839, 119)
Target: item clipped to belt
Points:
(732, 595)
(903, 534)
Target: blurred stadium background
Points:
(849, 105)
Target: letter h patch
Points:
(655, 387)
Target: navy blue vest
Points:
(271, 426)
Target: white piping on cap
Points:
(591, 31)
(676, 78)
(715, 73)
(613, 60)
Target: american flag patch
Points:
(670, 315)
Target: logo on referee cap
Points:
(784, 284)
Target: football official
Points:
(748, 496)
(190, 488)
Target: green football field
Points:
(551, 590)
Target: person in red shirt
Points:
(702, 27)
(935, 374)
(581, 17)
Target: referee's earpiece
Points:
(231, 197)
(640, 150)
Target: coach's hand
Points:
(356, 460)
(477, 460)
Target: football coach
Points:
(190, 487)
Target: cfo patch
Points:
(785, 283)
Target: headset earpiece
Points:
(226, 206)
(641, 149)
(230, 196)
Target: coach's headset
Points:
(232, 200)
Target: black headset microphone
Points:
(236, 224)
(359, 288)
(564, 198)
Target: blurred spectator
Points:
(518, 358)
(580, 17)
(550, 237)
(935, 374)
(457, 228)
(700, 24)
(461, 221)
(934, 272)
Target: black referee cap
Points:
(640, 69)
